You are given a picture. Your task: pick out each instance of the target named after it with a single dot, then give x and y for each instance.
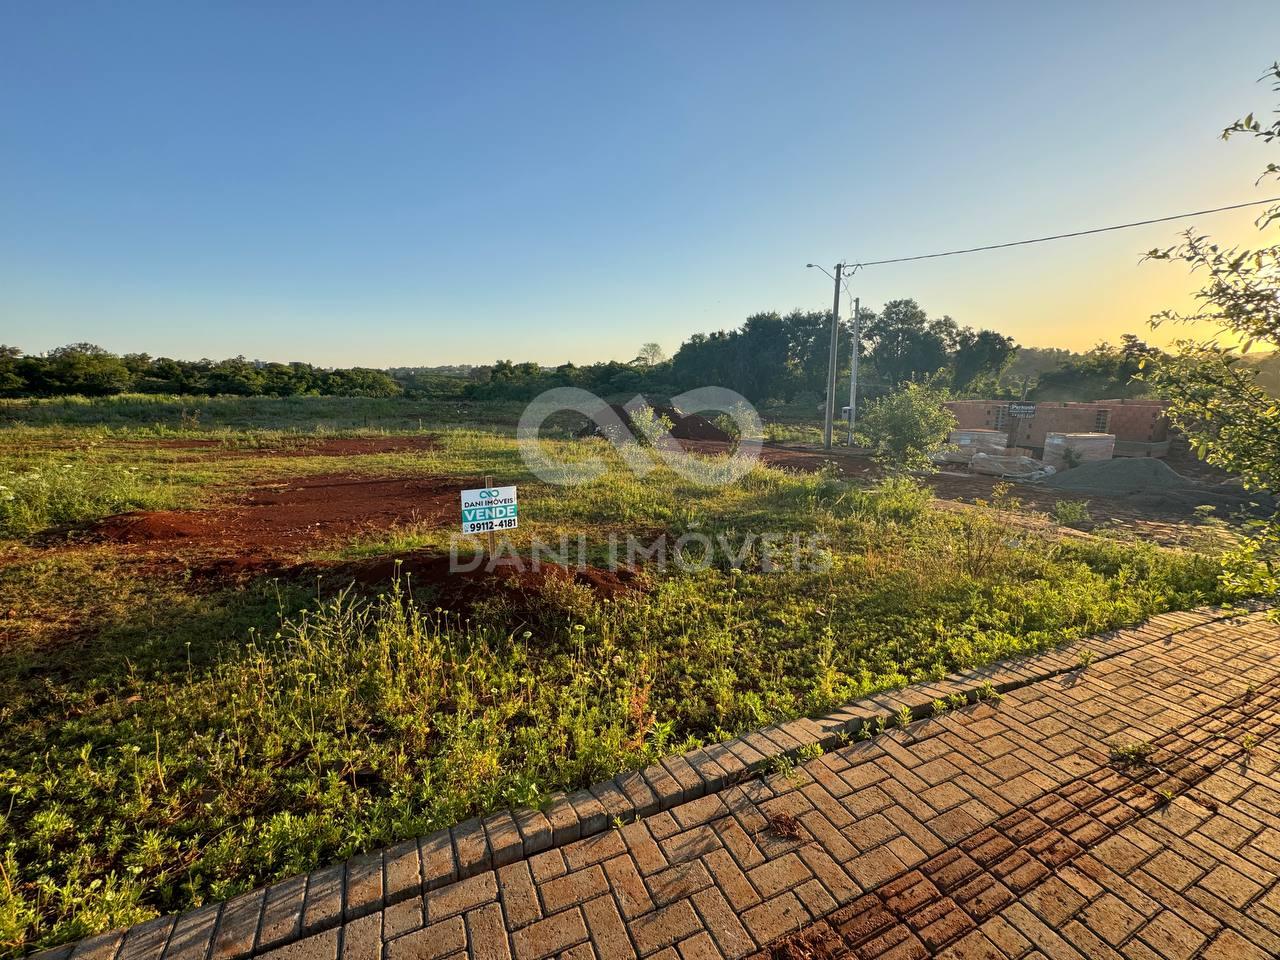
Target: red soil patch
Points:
(684, 427)
(791, 458)
(176, 444)
(266, 529)
(148, 526)
(276, 520)
(810, 461)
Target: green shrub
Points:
(649, 425)
(905, 429)
(53, 492)
(1072, 513)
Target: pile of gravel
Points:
(1121, 477)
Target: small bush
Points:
(905, 429)
(897, 498)
(1072, 513)
(729, 425)
(902, 498)
(649, 425)
(981, 543)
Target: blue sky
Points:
(421, 184)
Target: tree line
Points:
(87, 370)
(770, 358)
(780, 358)
(784, 359)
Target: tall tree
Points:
(85, 368)
(1216, 399)
(760, 357)
(235, 376)
(904, 343)
(754, 359)
(11, 379)
(979, 359)
(650, 355)
(809, 349)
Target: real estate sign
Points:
(489, 509)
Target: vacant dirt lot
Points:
(280, 518)
(270, 525)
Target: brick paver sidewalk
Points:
(1006, 829)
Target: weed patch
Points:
(55, 491)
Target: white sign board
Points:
(489, 509)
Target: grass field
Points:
(168, 738)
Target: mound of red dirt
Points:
(147, 526)
(512, 577)
(594, 429)
(282, 518)
(691, 426)
(665, 410)
(697, 427)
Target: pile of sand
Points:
(1121, 477)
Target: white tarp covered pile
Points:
(966, 443)
(1010, 468)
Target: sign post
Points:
(488, 510)
(1019, 410)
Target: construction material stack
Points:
(1066, 450)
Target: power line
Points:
(843, 282)
(1062, 236)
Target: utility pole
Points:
(853, 368)
(831, 365)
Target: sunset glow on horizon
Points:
(368, 188)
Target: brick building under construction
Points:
(1140, 427)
